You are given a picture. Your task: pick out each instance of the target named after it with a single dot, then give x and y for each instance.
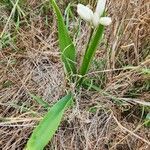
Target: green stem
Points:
(89, 54)
(91, 34)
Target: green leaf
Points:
(68, 52)
(147, 120)
(39, 100)
(43, 133)
(91, 49)
(146, 71)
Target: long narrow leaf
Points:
(89, 54)
(43, 133)
(67, 47)
(39, 100)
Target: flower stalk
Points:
(98, 21)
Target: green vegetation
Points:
(48, 126)
(52, 61)
(68, 53)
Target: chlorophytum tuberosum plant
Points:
(44, 132)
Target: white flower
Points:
(106, 21)
(100, 7)
(94, 17)
(85, 12)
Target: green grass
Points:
(40, 101)
(18, 12)
(147, 120)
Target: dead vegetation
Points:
(112, 119)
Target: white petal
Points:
(105, 21)
(84, 12)
(100, 7)
(95, 20)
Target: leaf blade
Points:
(39, 100)
(89, 54)
(48, 126)
(68, 52)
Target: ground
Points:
(110, 117)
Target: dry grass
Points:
(29, 62)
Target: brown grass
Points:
(30, 62)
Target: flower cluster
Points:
(95, 18)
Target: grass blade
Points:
(91, 49)
(48, 126)
(39, 100)
(147, 120)
(67, 47)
